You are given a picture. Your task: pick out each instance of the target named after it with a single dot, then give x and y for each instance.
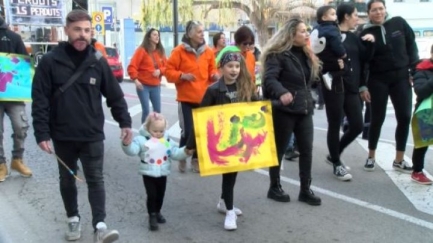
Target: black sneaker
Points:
(369, 164)
(291, 154)
(329, 161)
(153, 222)
(403, 167)
(341, 173)
(160, 219)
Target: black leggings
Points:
(188, 126)
(337, 105)
(418, 158)
(155, 190)
(302, 128)
(229, 180)
(396, 85)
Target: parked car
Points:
(114, 62)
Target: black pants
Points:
(186, 109)
(91, 155)
(396, 85)
(339, 103)
(155, 190)
(302, 127)
(418, 158)
(320, 88)
(229, 181)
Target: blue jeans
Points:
(154, 94)
(291, 144)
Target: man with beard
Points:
(67, 109)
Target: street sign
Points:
(108, 14)
(98, 22)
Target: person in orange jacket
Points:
(97, 45)
(192, 68)
(244, 38)
(146, 69)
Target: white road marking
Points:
(420, 196)
(364, 204)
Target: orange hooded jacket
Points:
(142, 66)
(250, 62)
(184, 60)
(101, 48)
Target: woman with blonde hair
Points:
(289, 69)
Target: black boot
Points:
(307, 195)
(277, 193)
(160, 218)
(153, 221)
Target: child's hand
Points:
(189, 152)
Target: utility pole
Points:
(175, 24)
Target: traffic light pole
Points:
(175, 24)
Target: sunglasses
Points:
(247, 43)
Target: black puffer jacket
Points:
(284, 72)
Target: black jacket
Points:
(334, 46)
(215, 95)
(284, 73)
(423, 81)
(77, 114)
(395, 47)
(358, 53)
(11, 42)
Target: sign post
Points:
(98, 22)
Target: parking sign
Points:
(108, 14)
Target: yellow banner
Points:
(234, 137)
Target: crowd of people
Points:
(380, 62)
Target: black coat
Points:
(284, 73)
(77, 114)
(11, 42)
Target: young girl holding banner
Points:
(234, 86)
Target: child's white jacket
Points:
(155, 154)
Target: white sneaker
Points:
(103, 235)
(74, 229)
(221, 207)
(230, 221)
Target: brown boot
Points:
(20, 167)
(3, 172)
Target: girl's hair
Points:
(146, 44)
(244, 86)
(322, 11)
(283, 41)
(152, 117)
(374, 1)
(343, 9)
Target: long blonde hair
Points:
(283, 41)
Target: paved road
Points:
(381, 206)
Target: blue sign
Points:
(108, 14)
(98, 27)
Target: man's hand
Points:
(286, 98)
(45, 146)
(126, 136)
(365, 96)
(368, 37)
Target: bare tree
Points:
(262, 13)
